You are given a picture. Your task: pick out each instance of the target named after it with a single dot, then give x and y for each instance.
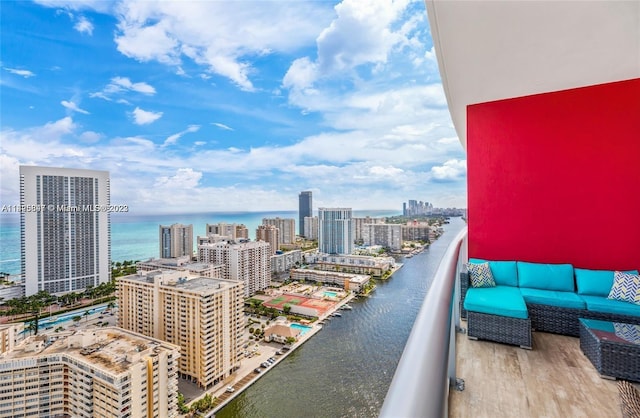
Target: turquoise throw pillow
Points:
(480, 275)
(626, 287)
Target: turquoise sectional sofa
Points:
(542, 297)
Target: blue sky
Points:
(230, 106)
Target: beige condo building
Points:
(101, 372)
(201, 315)
(270, 234)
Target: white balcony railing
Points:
(426, 371)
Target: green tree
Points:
(286, 309)
(290, 340)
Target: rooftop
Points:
(111, 349)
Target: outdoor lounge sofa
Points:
(541, 297)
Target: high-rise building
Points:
(102, 372)
(287, 228)
(248, 262)
(231, 231)
(305, 208)
(65, 229)
(359, 225)
(417, 208)
(335, 231)
(386, 235)
(201, 315)
(176, 241)
(311, 227)
(270, 234)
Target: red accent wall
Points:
(555, 177)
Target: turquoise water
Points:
(61, 319)
(330, 294)
(135, 237)
(303, 328)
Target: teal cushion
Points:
(552, 298)
(546, 276)
(604, 305)
(499, 300)
(597, 324)
(595, 282)
(504, 272)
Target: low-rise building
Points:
(358, 264)
(101, 372)
(280, 332)
(281, 263)
(348, 281)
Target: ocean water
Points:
(135, 237)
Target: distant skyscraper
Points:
(286, 228)
(311, 227)
(176, 241)
(305, 208)
(232, 231)
(270, 234)
(335, 231)
(66, 240)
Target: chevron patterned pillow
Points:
(480, 275)
(626, 287)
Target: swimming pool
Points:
(303, 328)
(60, 319)
(330, 294)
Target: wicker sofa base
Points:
(555, 319)
(610, 358)
(502, 329)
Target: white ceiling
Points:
(489, 50)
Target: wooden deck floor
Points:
(555, 379)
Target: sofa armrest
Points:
(464, 286)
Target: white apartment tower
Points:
(101, 372)
(202, 316)
(386, 235)
(270, 234)
(248, 262)
(335, 231)
(65, 229)
(286, 228)
(176, 241)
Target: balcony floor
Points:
(555, 379)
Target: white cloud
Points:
(73, 107)
(124, 83)
(172, 139)
(185, 178)
(362, 33)
(221, 36)
(143, 117)
(23, 73)
(451, 170)
(90, 137)
(222, 126)
(83, 25)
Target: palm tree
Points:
(86, 315)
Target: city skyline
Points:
(350, 108)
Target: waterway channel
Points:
(345, 370)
